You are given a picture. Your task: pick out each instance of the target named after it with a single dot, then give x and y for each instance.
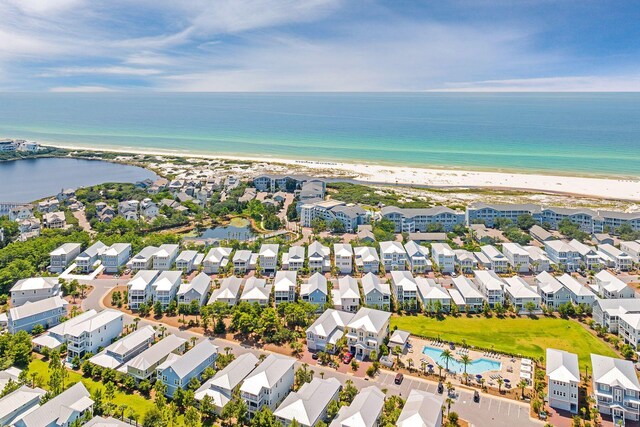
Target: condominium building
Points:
(412, 220)
(331, 210)
(487, 214)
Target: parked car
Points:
(314, 356)
(399, 378)
(476, 396)
(347, 358)
(440, 388)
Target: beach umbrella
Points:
(507, 380)
(478, 376)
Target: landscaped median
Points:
(519, 336)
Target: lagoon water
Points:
(576, 133)
(31, 179)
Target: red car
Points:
(347, 358)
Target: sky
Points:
(319, 45)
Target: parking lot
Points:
(490, 411)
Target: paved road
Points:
(492, 411)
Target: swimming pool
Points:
(478, 366)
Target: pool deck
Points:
(509, 367)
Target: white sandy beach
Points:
(606, 188)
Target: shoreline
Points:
(578, 186)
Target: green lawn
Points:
(133, 401)
(523, 335)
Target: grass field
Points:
(526, 336)
(133, 401)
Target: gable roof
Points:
(562, 366)
(422, 409)
(59, 410)
(614, 372)
(369, 319)
(267, 373)
(227, 379)
(189, 361)
(307, 404)
(364, 411)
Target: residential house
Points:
(521, 295)
(563, 254)
(499, 262)
(93, 333)
(422, 219)
(327, 330)
(393, 255)
(244, 261)
(139, 288)
(540, 234)
(517, 256)
(99, 421)
(308, 406)
(421, 409)
(405, 289)
(165, 287)
(365, 234)
(165, 256)
(54, 220)
(609, 286)
(284, 286)
(143, 260)
(376, 294)
(629, 328)
(87, 260)
(216, 260)
(129, 210)
(34, 289)
(126, 348)
(18, 403)
(366, 331)
(228, 292)
(318, 257)
(186, 261)
(621, 261)
(443, 257)
(632, 248)
(176, 372)
(367, 259)
(63, 256)
(20, 213)
(538, 259)
(56, 337)
(256, 291)
(418, 257)
(364, 411)
(607, 312)
(590, 258)
(115, 257)
(45, 312)
(143, 366)
(466, 296)
(196, 290)
(269, 383)
(222, 386)
(421, 238)
(347, 295)
(62, 410)
(400, 339)
(491, 286)
(434, 297)
(268, 258)
(49, 205)
(315, 290)
(563, 374)
(343, 255)
(148, 209)
(578, 293)
(616, 388)
(465, 260)
(294, 259)
(552, 292)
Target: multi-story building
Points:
(269, 383)
(418, 257)
(521, 295)
(34, 289)
(165, 287)
(196, 290)
(62, 410)
(590, 258)
(284, 286)
(393, 255)
(19, 402)
(404, 288)
(412, 220)
(465, 260)
(143, 260)
(433, 296)
(609, 286)
(517, 256)
(364, 411)
(563, 374)
(632, 248)
(487, 214)
(443, 257)
(187, 261)
(327, 329)
(228, 292)
(343, 256)
(620, 260)
(376, 294)
(45, 312)
(421, 409)
(499, 262)
(244, 261)
(93, 333)
(366, 332)
(143, 366)
(87, 260)
(491, 286)
(268, 258)
(126, 348)
(563, 254)
(176, 372)
(346, 296)
(115, 257)
(552, 292)
(331, 210)
(139, 288)
(607, 312)
(294, 259)
(63, 256)
(256, 291)
(216, 260)
(318, 257)
(367, 259)
(315, 290)
(616, 388)
(578, 293)
(629, 328)
(466, 295)
(165, 256)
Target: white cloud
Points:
(82, 89)
(624, 83)
(111, 70)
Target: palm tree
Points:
(439, 370)
(449, 403)
(136, 321)
(500, 381)
(523, 384)
(465, 360)
(446, 356)
(227, 350)
(423, 365)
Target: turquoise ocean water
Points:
(595, 134)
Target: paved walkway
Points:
(491, 411)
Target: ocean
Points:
(567, 133)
